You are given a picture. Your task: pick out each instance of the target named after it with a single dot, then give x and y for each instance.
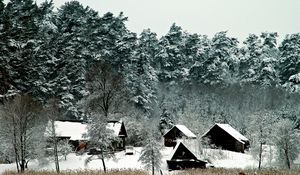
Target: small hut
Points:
(226, 137)
(177, 132)
(183, 158)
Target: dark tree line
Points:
(48, 54)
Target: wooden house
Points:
(226, 137)
(119, 132)
(184, 158)
(74, 131)
(71, 131)
(176, 133)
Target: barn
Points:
(226, 137)
(177, 132)
(184, 158)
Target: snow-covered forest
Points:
(71, 63)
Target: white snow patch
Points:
(295, 78)
(7, 167)
(77, 162)
(268, 69)
(230, 159)
(185, 72)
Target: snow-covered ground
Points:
(230, 159)
(5, 167)
(219, 158)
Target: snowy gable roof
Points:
(115, 126)
(231, 131)
(74, 130)
(184, 148)
(234, 133)
(188, 133)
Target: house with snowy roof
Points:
(74, 132)
(183, 158)
(177, 132)
(119, 131)
(226, 137)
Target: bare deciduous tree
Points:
(261, 127)
(100, 138)
(286, 140)
(107, 90)
(52, 112)
(20, 123)
(107, 96)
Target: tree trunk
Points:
(260, 155)
(286, 152)
(15, 145)
(16, 156)
(22, 163)
(260, 147)
(152, 159)
(26, 164)
(55, 147)
(8, 160)
(103, 161)
(17, 162)
(56, 155)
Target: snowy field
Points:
(219, 158)
(229, 159)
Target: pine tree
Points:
(267, 75)
(293, 83)
(141, 76)
(4, 83)
(66, 51)
(114, 42)
(19, 46)
(2, 5)
(2, 8)
(250, 60)
(166, 122)
(221, 66)
(171, 59)
(66, 80)
(199, 53)
(289, 63)
(150, 155)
